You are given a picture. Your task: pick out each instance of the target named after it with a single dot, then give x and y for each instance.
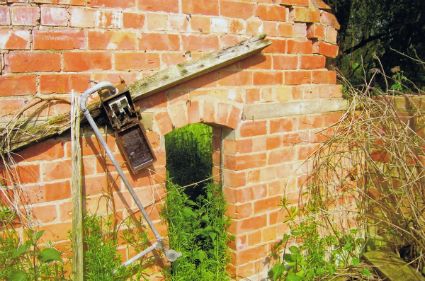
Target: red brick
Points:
(271, 12)
(326, 49)
(14, 39)
(12, 105)
(58, 40)
(83, 61)
(324, 77)
(233, 179)
(64, 83)
(243, 162)
(46, 150)
(230, 78)
(234, 9)
(31, 62)
(28, 173)
(163, 122)
(316, 31)
(253, 128)
(290, 3)
(282, 125)
(305, 152)
(133, 20)
(4, 15)
(113, 3)
(273, 142)
(200, 42)
(252, 223)
(257, 62)
(297, 77)
(136, 61)
(234, 117)
(160, 42)
(285, 62)
(267, 78)
(44, 214)
(55, 232)
(204, 7)
(285, 29)
(299, 47)
(163, 6)
(329, 19)
(312, 62)
(17, 85)
(25, 15)
(277, 46)
(54, 16)
(301, 14)
(112, 40)
(280, 156)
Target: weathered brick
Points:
(267, 78)
(200, 42)
(156, 22)
(299, 47)
(58, 40)
(64, 83)
(312, 62)
(326, 49)
(14, 39)
(253, 128)
(25, 15)
(4, 15)
(297, 77)
(329, 19)
(44, 214)
(112, 40)
(159, 42)
(133, 20)
(316, 31)
(242, 162)
(31, 62)
(171, 6)
(113, 3)
(324, 77)
(83, 17)
(285, 62)
(136, 61)
(235, 9)
(55, 16)
(84, 61)
(271, 12)
(282, 125)
(301, 14)
(17, 85)
(204, 7)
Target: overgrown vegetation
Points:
(101, 258)
(23, 257)
(195, 214)
(365, 191)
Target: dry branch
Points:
(26, 132)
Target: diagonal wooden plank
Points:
(28, 133)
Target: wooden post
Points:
(77, 196)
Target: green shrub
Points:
(197, 229)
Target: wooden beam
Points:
(29, 133)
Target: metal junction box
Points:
(129, 134)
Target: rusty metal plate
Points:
(133, 144)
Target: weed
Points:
(24, 259)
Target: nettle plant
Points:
(23, 257)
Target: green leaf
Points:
(355, 261)
(366, 272)
(293, 277)
(37, 235)
(17, 276)
(22, 249)
(294, 249)
(49, 255)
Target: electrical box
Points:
(129, 134)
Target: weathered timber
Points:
(391, 267)
(28, 132)
(77, 193)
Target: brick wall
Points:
(267, 110)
